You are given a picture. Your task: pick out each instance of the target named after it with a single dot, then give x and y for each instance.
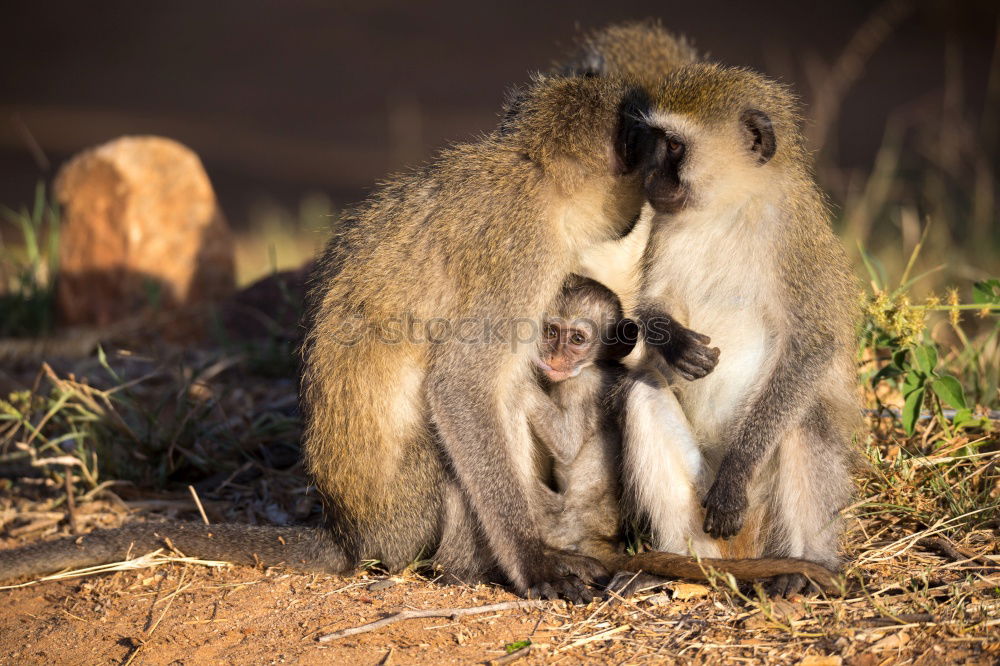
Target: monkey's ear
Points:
(760, 133)
(634, 139)
(625, 336)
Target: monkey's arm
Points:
(685, 350)
(778, 402)
(488, 444)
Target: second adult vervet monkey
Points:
(422, 447)
(741, 249)
(802, 316)
(578, 417)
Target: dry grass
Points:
(922, 539)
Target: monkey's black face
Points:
(661, 177)
(655, 154)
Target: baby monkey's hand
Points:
(685, 350)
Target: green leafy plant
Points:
(921, 383)
(895, 338)
(987, 293)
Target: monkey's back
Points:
(368, 443)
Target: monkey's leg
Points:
(812, 483)
(368, 446)
(461, 553)
(662, 466)
(589, 520)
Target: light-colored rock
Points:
(141, 226)
(689, 591)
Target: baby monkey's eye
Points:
(551, 332)
(675, 148)
(577, 339)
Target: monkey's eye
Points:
(675, 148)
(551, 332)
(577, 339)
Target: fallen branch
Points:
(954, 552)
(431, 612)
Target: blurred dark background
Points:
(284, 100)
(282, 97)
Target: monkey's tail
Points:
(671, 565)
(299, 548)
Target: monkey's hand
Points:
(726, 503)
(565, 575)
(686, 350)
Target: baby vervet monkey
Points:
(579, 417)
(583, 337)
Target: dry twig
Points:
(430, 612)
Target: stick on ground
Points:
(431, 612)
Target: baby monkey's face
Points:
(566, 347)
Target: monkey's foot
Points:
(566, 575)
(585, 568)
(570, 588)
(787, 585)
(626, 583)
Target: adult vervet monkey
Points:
(792, 331)
(423, 448)
(741, 249)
